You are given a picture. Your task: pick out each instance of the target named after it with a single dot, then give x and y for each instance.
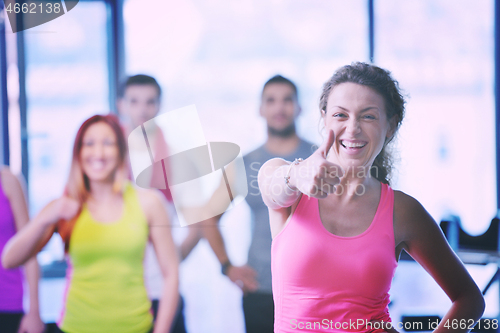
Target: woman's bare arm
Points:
(31, 238)
(275, 193)
(315, 177)
(423, 240)
(166, 254)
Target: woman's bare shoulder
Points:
(6, 175)
(152, 202)
(410, 217)
(404, 202)
(10, 182)
(149, 198)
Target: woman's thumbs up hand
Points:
(315, 176)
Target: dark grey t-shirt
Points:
(259, 255)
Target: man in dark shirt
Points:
(279, 107)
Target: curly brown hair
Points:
(382, 82)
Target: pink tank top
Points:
(328, 283)
(11, 280)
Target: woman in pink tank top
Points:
(338, 228)
(13, 217)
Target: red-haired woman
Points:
(105, 223)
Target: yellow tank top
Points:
(105, 289)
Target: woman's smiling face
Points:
(99, 156)
(357, 116)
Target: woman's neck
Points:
(101, 190)
(355, 182)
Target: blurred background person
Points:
(279, 107)
(140, 101)
(13, 217)
(105, 223)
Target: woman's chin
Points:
(99, 176)
(355, 167)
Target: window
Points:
(442, 56)
(66, 82)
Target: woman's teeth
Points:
(352, 144)
(97, 165)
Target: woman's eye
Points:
(340, 115)
(109, 143)
(369, 116)
(88, 143)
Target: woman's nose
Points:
(98, 150)
(353, 126)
